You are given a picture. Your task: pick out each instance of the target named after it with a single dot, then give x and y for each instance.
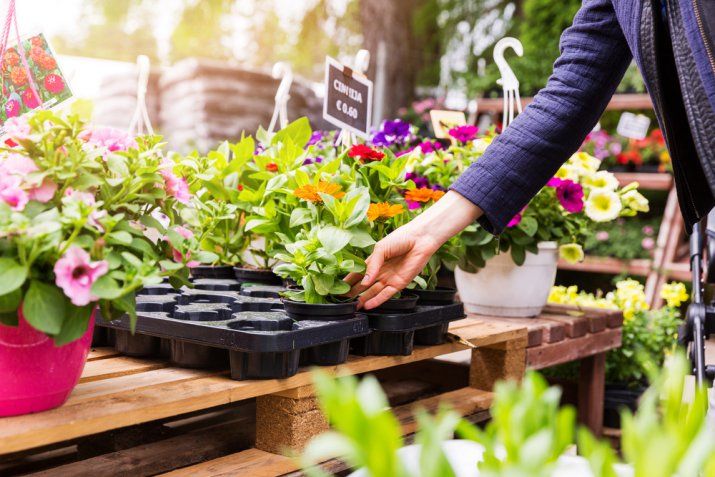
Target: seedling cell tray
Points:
(205, 328)
(397, 333)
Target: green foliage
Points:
(624, 238)
(367, 435)
(647, 336)
(528, 432)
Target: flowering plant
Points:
(77, 223)
(576, 198)
(622, 153)
(636, 238)
(648, 335)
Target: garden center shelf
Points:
(610, 265)
(619, 102)
(647, 180)
(145, 417)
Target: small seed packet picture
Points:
(444, 120)
(36, 82)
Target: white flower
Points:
(603, 205)
(569, 171)
(585, 161)
(480, 145)
(601, 180)
(430, 159)
(634, 200)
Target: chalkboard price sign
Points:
(348, 98)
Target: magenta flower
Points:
(175, 186)
(430, 146)
(648, 230)
(75, 274)
(648, 243)
(44, 192)
(111, 139)
(554, 182)
(570, 195)
(516, 220)
(464, 133)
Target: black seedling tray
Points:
(205, 327)
(397, 333)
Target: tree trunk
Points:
(391, 22)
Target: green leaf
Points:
(44, 307)
(339, 288)
(361, 238)
(518, 254)
(298, 132)
(150, 221)
(75, 323)
(323, 284)
(333, 238)
(8, 319)
(12, 275)
(106, 288)
(83, 109)
(128, 304)
(300, 216)
(528, 225)
(120, 237)
(10, 302)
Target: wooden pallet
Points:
(117, 391)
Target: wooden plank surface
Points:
(619, 102)
(540, 330)
(573, 349)
(254, 462)
(102, 353)
(130, 396)
(574, 326)
(615, 266)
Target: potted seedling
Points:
(330, 230)
(267, 208)
(76, 232)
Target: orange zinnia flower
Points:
(423, 194)
(311, 193)
(437, 194)
(383, 211)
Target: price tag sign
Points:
(444, 120)
(633, 126)
(348, 98)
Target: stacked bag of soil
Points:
(117, 99)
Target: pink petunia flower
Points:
(18, 164)
(88, 199)
(44, 192)
(570, 195)
(602, 235)
(648, 243)
(75, 274)
(176, 254)
(18, 128)
(554, 182)
(175, 186)
(112, 139)
(648, 230)
(11, 193)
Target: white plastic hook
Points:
(508, 80)
(141, 120)
(360, 66)
(284, 72)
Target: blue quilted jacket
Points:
(672, 43)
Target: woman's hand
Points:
(402, 255)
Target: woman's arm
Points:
(594, 57)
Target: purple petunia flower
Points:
(312, 160)
(391, 132)
(570, 195)
(464, 133)
(420, 181)
(315, 138)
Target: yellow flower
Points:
(601, 180)
(383, 211)
(674, 294)
(664, 157)
(634, 200)
(571, 252)
(585, 162)
(312, 193)
(603, 205)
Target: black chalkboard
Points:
(348, 98)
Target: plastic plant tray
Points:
(204, 328)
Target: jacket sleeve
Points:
(594, 57)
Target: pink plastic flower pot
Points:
(35, 375)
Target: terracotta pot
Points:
(36, 374)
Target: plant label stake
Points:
(633, 126)
(283, 72)
(443, 120)
(348, 98)
(508, 81)
(141, 120)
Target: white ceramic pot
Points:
(464, 456)
(502, 288)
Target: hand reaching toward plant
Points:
(403, 254)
